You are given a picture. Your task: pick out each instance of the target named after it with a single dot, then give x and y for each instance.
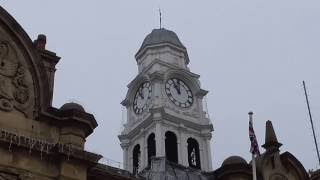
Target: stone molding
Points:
(44, 148)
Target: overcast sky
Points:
(252, 55)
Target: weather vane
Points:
(160, 16)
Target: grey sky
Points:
(251, 55)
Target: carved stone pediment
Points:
(16, 85)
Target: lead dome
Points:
(234, 160)
(72, 105)
(160, 37)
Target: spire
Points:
(271, 141)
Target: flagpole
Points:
(254, 168)
(160, 17)
(253, 152)
(311, 121)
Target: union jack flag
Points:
(254, 149)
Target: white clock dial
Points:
(142, 98)
(179, 93)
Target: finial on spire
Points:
(271, 141)
(160, 17)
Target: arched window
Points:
(136, 158)
(151, 147)
(193, 153)
(171, 147)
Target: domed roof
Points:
(234, 160)
(158, 36)
(72, 105)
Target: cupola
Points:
(164, 45)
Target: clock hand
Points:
(141, 93)
(177, 86)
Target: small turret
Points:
(78, 125)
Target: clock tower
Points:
(165, 114)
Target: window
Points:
(136, 159)
(151, 147)
(171, 147)
(193, 153)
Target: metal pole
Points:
(252, 149)
(311, 121)
(254, 168)
(160, 17)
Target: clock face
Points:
(179, 93)
(142, 98)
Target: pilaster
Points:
(125, 158)
(209, 159)
(143, 152)
(202, 154)
(160, 150)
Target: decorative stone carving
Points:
(190, 112)
(7, 176)
(278, 177)
(15, 91)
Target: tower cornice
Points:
(143, 51)
(160, 114)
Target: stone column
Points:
(203, 154)
(184, 150)
(125, 158)
(160, 149)
(125, 150)
(130, 159)
(179, 148)
(209, 154)
(145, 151)
(142, 155)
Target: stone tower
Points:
(164, 102)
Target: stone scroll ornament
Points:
(14, 91)
(278, 177)
(7, 176)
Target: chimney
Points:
(40, 42)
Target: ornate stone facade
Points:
(37, 141)
(16, 84)
(7, 176)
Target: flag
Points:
(254, 142)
